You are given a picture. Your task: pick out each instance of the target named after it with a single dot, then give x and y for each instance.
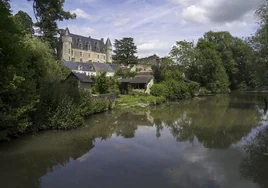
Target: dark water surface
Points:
(210, 142)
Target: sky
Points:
(155, 25)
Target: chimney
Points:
(102, 40)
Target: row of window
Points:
(81, 54)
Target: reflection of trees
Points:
(24, 162)
(255, 162)
(217, 122)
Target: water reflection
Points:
(194, 143)
(255, 162)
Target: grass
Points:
(128, 101)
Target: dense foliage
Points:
(173, 87)
(31, 96)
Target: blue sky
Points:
(155, 25)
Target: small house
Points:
(103, 67)
(80, 80)
(140, 83)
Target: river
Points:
(208, 142)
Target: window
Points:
(89, 55)
(69, 58)
(81, 60)
(72, 52)
(69, 51)
(104, 57)
(98, 56)
(79, 67)
(81, 54)
(73, 59)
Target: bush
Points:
(160, 90)
(193, 88)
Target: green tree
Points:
(47, 13)
(102, 83)
(125, 50)
(235, 54)
(208, 69)
(259, 43)
(183, 54)
(25, 21)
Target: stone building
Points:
(78, 48)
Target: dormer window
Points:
(79, 67)
(97, 47)
(90, 67)
(88, 46)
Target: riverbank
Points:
(130, 101)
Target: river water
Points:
(208, 142)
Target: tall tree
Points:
(182, 53)
(235, 55)
(125, 50)
(47, 13)
(259, 43)
(208, 69)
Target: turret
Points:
(108, 51)
(66, 45)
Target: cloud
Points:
(216, 11)
(151, 47)
(81, 30)
(195, 14)
(120, 22)
(81, 14)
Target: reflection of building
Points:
(84, 49)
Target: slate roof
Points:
(141, 79)
(84, 41)
(103, 67)
(74, 66)
(115, 67)
(82, 77)
(108, 42)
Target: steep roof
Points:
(84, 41)
(74, 66)
(103, 67)
(108, 42)
(82, 77)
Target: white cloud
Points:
(151, 47)
(194, 14)
(81, 14)
(120, 22)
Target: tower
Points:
(66, 45)
(108, 51)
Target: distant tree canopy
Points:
(218, 61)
(125, 50)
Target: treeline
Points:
(221, 62)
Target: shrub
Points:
(160, 90)
(193, 88)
